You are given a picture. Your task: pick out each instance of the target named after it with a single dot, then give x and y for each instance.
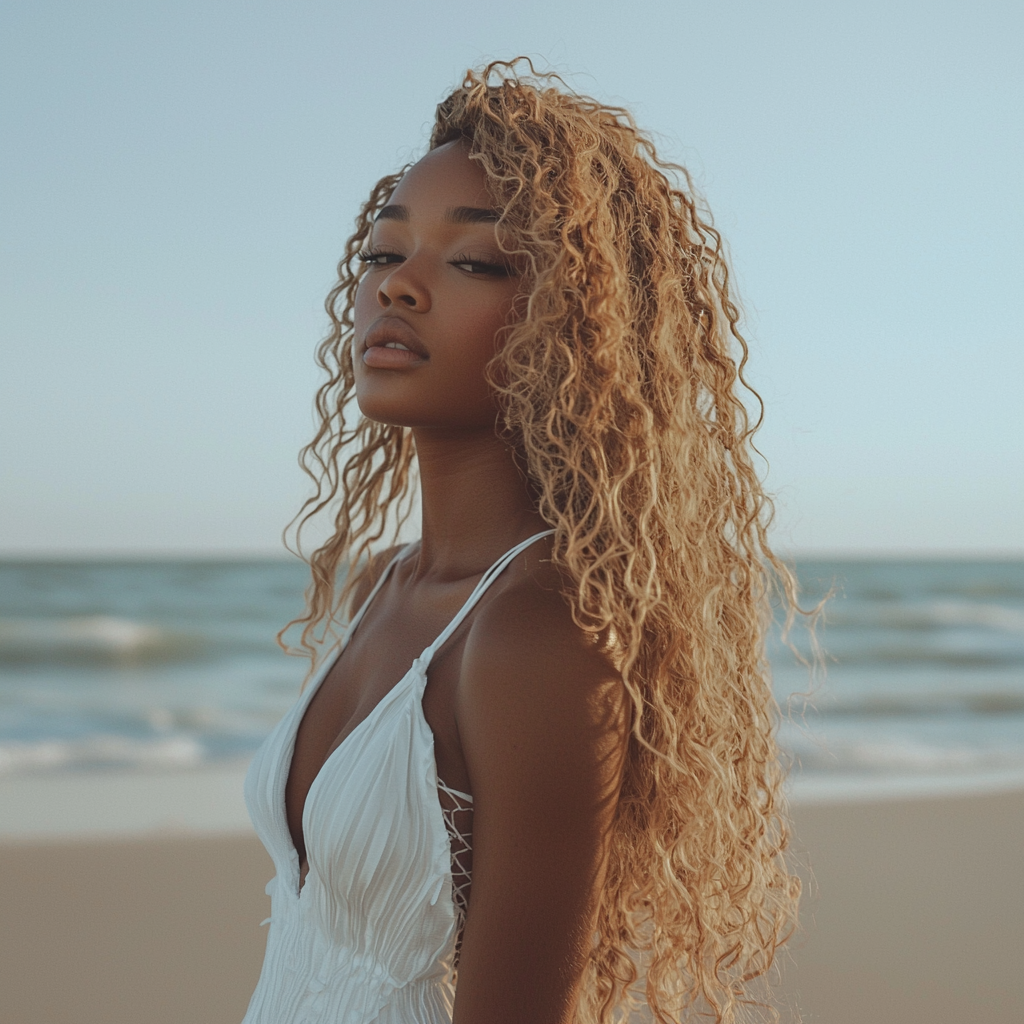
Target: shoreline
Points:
(208, 800)
(120, 804)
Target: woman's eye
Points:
(480, 267)
(379, 259)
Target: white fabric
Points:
(370, 936)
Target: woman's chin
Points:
(383, 406)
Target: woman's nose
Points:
(404, 288)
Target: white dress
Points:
(370, 936)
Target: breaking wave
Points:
(93, 640)
(898, 755)
(100, 751)
(915, 702)
(936, 615)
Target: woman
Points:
(575, 786)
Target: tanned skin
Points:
(528, 711)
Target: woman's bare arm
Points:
(543, 724)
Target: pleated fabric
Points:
(370, 936)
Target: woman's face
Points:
(435, 292)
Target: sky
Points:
(177, 181)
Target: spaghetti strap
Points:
(355, 620)
(478, 591)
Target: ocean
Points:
(173, 664)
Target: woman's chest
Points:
(368, 670)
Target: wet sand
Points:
(914, 915)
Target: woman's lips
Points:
(391, 344)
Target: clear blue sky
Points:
(178, 180)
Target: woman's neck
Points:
(475, 502)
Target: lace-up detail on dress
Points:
(459, 822)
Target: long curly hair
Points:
(619, 382)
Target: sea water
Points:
(165, 664)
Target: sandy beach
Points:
(161, 930)
(914, 912)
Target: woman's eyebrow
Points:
(471, 215)
(392, 212)
(454, 214)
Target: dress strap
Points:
(478, 591)
(354, 621)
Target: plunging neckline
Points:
(422, 663)
(303, 707)
(300, 881)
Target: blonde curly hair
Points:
(619, 384)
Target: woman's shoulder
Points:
(369, 573)
(525, 643)
(533, 601)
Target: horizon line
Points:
(837, 553)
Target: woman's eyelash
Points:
(483, 265)
(377, 257)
